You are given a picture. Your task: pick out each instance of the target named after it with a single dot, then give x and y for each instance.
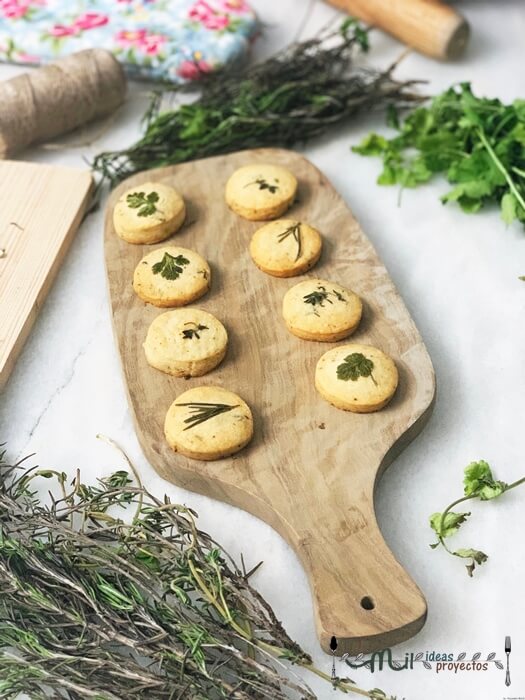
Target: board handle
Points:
(362, 595)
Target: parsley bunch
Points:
(479, 482)
(477, 143)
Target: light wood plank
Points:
(41, 207)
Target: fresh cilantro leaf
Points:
(354, 366)
(479, 481)
(451, 523)
(475, 555)
(170, 267)
(477, 143)
(145, 203)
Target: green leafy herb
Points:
(202, 411)
(264, 185)
(146, 204)
(477, 143)
(298, 94)
(354, 366)
(295, 231)
(479, 483)
(193, 332)
(170, 267)
(110, 592)
(320, 295)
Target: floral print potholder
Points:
(173, 40)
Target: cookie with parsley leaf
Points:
(355, 377)
(171, 276)
(148, 213)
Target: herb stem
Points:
(501, 167)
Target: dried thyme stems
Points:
(94, 607)
(291, 97)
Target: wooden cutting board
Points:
(311, 469)
(41, 207)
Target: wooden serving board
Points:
(311, 469)
(41, 207)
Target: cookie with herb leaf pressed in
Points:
(185, 342)
(171, 276)
(358, 378)
(321, 310)
(208, 422)
(261, 192)
(285, 248)
(148, 213)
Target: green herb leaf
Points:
(193, 332)
(354, 366)
(477, 143)
(479, 481)
(450, 525)
(475, 555)
(170, 267)
(202, 411)
(145, 203)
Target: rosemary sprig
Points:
(152, 608)
(295, 231)
(203, 411)
(291, 97)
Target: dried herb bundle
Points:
(287, 99)
(92, 607)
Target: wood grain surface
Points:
(311, 469)
(41, 207)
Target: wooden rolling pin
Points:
(429, 26)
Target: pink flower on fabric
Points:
(90, 20)
(14, 9)
(193, 70)
(204, 13)
(27, 58)
(60, 30)
(151, 44)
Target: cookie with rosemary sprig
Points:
(208, 422)
(185, 342)
(171, 276)
(355, 377)
(321, 310)
(285, 247)
(260, 192)
(148, 213)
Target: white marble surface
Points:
(458, 276)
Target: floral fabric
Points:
(174, 40)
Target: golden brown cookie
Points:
(260, 192)
(185, 342)
(321, 310)
(171, 276)
(148, 213)
(358, 378)
(285, 248)
(208, 423)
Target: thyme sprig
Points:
(295, 231)
(289, 98)
(202, 411)
(479, 483)
(97, 605)
(195, 331)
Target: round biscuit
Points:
(171, 276)
(285, 248)
(208, 423)
(260, 192)
(355, 377)
(148, 213)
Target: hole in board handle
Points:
(367, 603)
